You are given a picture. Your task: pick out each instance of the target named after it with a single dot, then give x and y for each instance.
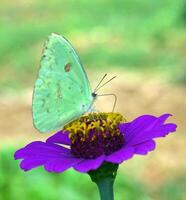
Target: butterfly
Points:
(62, 90)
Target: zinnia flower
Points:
(95, 140)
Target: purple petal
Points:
(28, 164)
(61, 164)
(61, 137)
(139, 124)
(89, 164)
(40, 153)
(120, 155)
(145, 128)
(124, 127)
(41, 149)
(145, 147)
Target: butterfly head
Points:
(94, 95)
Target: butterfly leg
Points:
(115, 99)
(91, 116)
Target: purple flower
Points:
(92, 140)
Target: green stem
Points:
(105, 187)
(104, 178)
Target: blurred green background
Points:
(142, 42)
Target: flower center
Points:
(95, 134)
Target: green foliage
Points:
(126, 34)
(71, 185)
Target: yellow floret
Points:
(99, 122)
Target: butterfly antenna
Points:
(97, 88)
(100, 82)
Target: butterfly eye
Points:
(94, 94)
(67, 67)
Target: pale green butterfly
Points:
(62, 91)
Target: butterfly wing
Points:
(62, 91)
